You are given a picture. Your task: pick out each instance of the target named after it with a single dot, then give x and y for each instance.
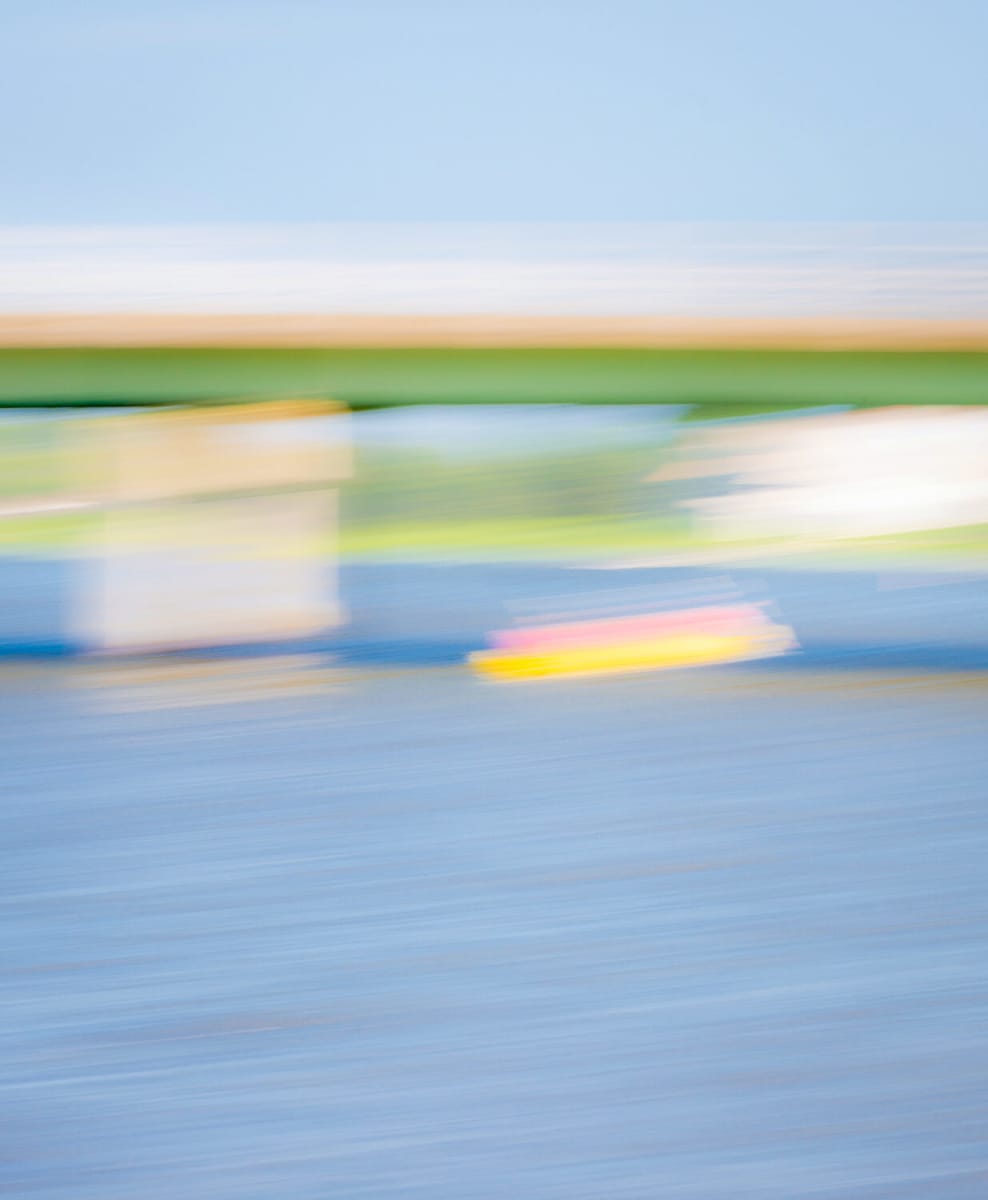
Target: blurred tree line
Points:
(394, 486)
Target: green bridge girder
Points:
(720, 382)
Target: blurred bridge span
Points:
(378, 315)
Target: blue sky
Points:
(312, 110)
(486, 432)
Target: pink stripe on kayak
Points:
(637, 628)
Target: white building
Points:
(839, 474)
